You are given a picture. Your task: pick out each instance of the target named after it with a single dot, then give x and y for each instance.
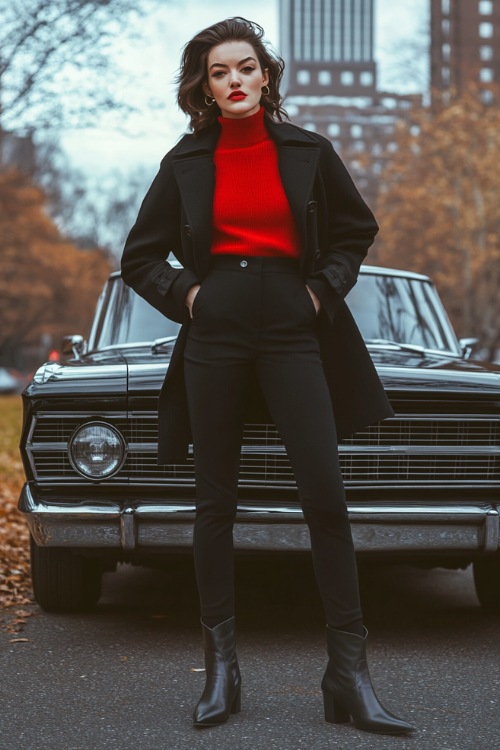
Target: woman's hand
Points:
(190, 297)
(316, 302)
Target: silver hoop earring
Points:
(209, 104)
(265, 93)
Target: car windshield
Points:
(402, 310)
(388, 310)
(125, 318)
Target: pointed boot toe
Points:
(347, 689)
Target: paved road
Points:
(125, 676)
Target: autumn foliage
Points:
(15, 581)
(47, 285)
(439, 210)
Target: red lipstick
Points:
(237, 96)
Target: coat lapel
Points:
(298, 157)
(194, 170)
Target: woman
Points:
(270, 232)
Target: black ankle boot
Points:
(222, 694)
(347, 688)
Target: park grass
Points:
(15, 581)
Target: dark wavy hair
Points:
(193, 71)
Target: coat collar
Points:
(205, 142)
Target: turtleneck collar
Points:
(243, 131)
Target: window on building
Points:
(445, 76)
(445, 7)
(486, 30)
(310, 126)
(486, 75)
(324, 78)
(445, 27)
(446, 52)
(356, 131)
(358, 146)
(485, 7)
(487, 96)
(486, 53)
(347, 78)
(303, 77)
(392, 146)
(333, 129)
(366, 78)
(376, 149)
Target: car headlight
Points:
(96, 450)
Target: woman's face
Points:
(235, 79)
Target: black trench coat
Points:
(336, 228)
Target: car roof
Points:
(384, 271)
(378, 270)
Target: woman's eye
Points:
(218, 74)
(248, 69)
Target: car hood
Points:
(403, 370)
(138, 371)
(99, 373)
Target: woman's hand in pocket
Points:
(316, 302)
(190, 298)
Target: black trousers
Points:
(254, 316)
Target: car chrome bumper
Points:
(376, 529)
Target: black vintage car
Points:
(422, 487)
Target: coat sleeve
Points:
(345, 232)
(155, 234)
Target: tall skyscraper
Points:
(331, 82)
(328, 46)
(465, 47)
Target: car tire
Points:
(487, 582)
(64, 581)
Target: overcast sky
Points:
(399, 27)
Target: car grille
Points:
(407, 450)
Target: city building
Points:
(331, 82)
(465, 47)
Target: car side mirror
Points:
(74, 346)
(467, 346)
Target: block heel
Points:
(334, 712)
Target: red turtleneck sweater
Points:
(251, 213)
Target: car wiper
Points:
(402, 347)
(162, 344)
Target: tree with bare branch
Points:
(57, 63)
